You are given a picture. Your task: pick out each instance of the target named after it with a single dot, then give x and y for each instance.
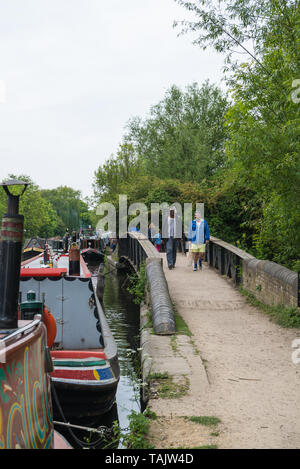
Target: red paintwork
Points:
(42, 272)
(80, 375)
(78, 354)
(84, 267)
(54, 272)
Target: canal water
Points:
(123, 317)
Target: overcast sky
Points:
(73, 72)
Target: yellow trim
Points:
(96, 375)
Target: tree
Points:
(40, 219)
(119, 170)
(72, 211)
(263, 143)
(184, 136)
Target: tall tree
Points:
(263, 124)
(73, 212)
(184, 136)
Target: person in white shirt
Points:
(171, 240)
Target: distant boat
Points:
(56, 244)
(84, 352)
(33, 247)
(92, 250)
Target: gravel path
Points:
(250, 383)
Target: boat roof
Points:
(35, 242)
(36, 268)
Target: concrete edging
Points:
(146, 357)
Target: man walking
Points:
(171, 239)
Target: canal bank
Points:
(171, 367)
(243, 384)
(169, 362)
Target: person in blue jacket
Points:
(198, 237)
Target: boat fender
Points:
(98, 326)
(101, 341)
(50, 326)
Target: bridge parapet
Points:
(269, 282)
(227, 259)
(138, 249)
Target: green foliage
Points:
(263, 145)
(181, 140)
(138, 431)
(288, 317)
(167, 387)
(72, 211)
(181, 326)
(203, 420)
(240, 157)
(48, 213)
(184, 134)
(40, 217)
(138, 285)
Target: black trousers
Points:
(171, 249)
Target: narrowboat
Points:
(92, 250)
(57, 245)
(26, 415)
(33, 247)
(84, 353)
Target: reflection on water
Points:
(123, 318)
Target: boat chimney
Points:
(10, 257)
(74, 260)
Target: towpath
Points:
(238, 366)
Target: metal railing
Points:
(227, 259)
(138, 249)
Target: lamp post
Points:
(10, 257)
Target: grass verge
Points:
(203, 420)
(181, 326)
(287, 317)
(167, 388)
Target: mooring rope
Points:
(106, 431)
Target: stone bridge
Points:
(237, 364)
(269, 282)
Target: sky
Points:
(73, 72)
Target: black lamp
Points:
(10, 257)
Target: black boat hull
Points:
(91, 255)
(84, 403)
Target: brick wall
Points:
(270, 283)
